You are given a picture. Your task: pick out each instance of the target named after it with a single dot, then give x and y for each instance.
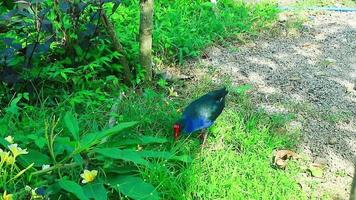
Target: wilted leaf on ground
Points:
(281, 157)
(316, 170)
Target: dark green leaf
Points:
(156, 154)
(72, 124)
(95, 191)
(35, 157)
(126, 169)
(91, 139)
(139, 140)
(13, 108)
(3, 142)
(73, 188)
(126, 154)
(134, 187)
(62, 143)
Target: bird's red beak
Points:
(176, 129)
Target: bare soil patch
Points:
(312, 73)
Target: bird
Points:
(201, 114)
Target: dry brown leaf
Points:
(281, 157)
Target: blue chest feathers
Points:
(195, 124)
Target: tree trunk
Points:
(353, 186)
(146, 26)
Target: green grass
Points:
(184, 28)
(237, 162)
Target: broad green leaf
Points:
(78, 159)
(39, 141)
(72, 124)
(61, 144)
(126, 154)
(73, 188)
(35, 157)
(78, 50)
(143, 140)
(126, 169)
(134, 187)
(26, 96)
(3, 142)
(13, 108)
(156, 154)
(95, 191)
(92, 139)
(151, 140)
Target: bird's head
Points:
(177, 129)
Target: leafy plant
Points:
(92, 150)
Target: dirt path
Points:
(311, 73)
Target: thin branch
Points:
(118, 47)
(55, 167)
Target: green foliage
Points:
(127, 155)
(236, 164)
(74, 188)
(72, 49)
(73, 144)
(134, 188)
(183, 28)
(96, 190)
(72, 124)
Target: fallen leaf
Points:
(306, 45)
(172, 93)
(281, 157)
(316, 170)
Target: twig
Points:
(353, 186)
(57, 166)
(118, 47)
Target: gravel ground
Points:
(310, 72)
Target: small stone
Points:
(320, 73)
(349, 89)
(282, 18)
(294, 78)
(294, 126)
(306, 27)
(321, 161)
(330, 60)
(333, 109)
(332, 141)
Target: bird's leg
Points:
(203, 135)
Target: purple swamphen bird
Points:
(201, 113)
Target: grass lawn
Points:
(237, 162)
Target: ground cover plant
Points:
(60, 78)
